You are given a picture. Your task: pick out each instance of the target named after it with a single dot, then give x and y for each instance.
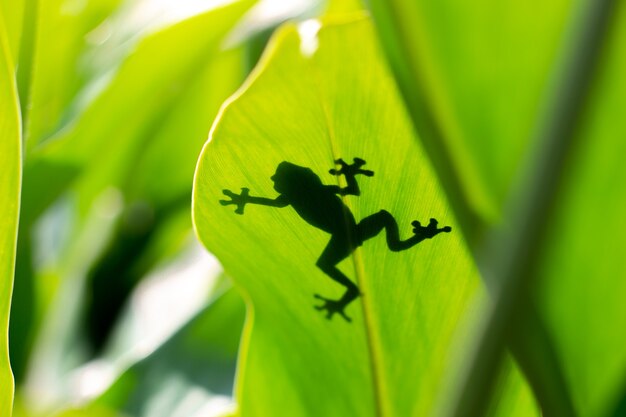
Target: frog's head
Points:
(291, 178)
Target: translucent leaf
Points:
(581, 282)
(490, 85)
(10, 183)
(317, 97)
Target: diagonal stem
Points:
(513, 255)
(373, 345)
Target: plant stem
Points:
(512, 256)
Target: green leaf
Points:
(137, 139)
(77, 46)
(484, 113)
(13, 11)
(472, 91)
(189, 373)
(312, 100)
(10, 183)
(57, 35)
(160, 347)
(581, 282)
(511, 395)
(138, 117)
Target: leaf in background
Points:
(121, 123)
(77, 47)
(60, 36)
(314, 99)
(474, 75)
(178, 337)
(189, 375)
(10, 183)
(485, 112)
(339, 7)
(154, 114)
(511, 395)
(60, 293)
(581, 283)
(12, 12)
(157, 142)
(491, 71)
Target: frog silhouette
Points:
(320, 205)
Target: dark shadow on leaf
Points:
(321, 207)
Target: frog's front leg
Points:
(350, 170)
(239, 200)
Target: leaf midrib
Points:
(373, 345)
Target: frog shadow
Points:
(321, 206)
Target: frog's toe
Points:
(331, 307)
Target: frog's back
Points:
(322, 208)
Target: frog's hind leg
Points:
(374, 224)
(337, 250)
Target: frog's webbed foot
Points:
(239, 200)
(332, 307)
(351, 169)
(427, 232)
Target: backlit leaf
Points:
(10, 182)
(317, 97)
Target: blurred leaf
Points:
(92, 411)
(482, 116)
(424, 44)
(38, 192)
(25, 12)
(60, 34)
(59, 299)
(158, 139)
(192, 373)
(62, 371)
(581, 282)
(10, 183)
(174, 94)
(472, 76)
(13, 13)
(174, 349)
(171, 151)
(121, 122)
(314, 99)
(512, 395)
(343, 6)
(78, 46)
(266, 15)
